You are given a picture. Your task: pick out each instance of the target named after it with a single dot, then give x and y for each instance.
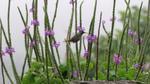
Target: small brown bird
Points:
(76, 37)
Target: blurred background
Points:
(61, 24)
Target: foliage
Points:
(36, 75)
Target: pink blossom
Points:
(117, 59)
(26, 30)
(75, 74)
(72, 2)
(49, 32)
(80, 29)
(9, 50)
(131, 33)
(139, 41)
(35, 22)
(91, 38)
(56, 44)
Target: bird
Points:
(76, 37)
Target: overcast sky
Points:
(62, 19)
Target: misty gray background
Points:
(61, 24)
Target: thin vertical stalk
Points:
(125, 26)
(46, 58)
(80, 42)
(2, 65)
(51, 39)
(142, 56)
(6, 71)
(56, 65)
(97, 50)
(91, 31)
(47, 25)
(28, 36)
(139, 17)
(31, 39)
(53, 24)
(126, 44)
(146, 37)
(148, 13)
(139, 38)
(105, 30)
(2, 69)
(68, 52)
(10, 45)
(26, 44)
(55, 14)
(46, 42)
(111, 38)
(77, 52)
(35, 34)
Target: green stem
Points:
(68, 52)
(6, 71)
(55, 14)
(51, 39)
(54, 60)
(142, 54)
(35, 34)
(10, 45)
(1, 57)
(46, 42)
(139, 40)
(77, 53)
(125, 26)
(80, 42)
(111, 38)
(139, 17)
(97, 50)
(91, 31)
(2, 65)
(26, 43)
(53, 22)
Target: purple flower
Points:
(56, 44)
(49, 32)
(72, 2)
(26, 30)
(33, 43)
(35, 22)
(32, 9)
(75, 74)
(2, 53)
(131, 33)
(117, 59)
(80, 29)
(136, 66)
(139, 66)
(9, 50)
(139, 41)
(91, 38)
(86, 54)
